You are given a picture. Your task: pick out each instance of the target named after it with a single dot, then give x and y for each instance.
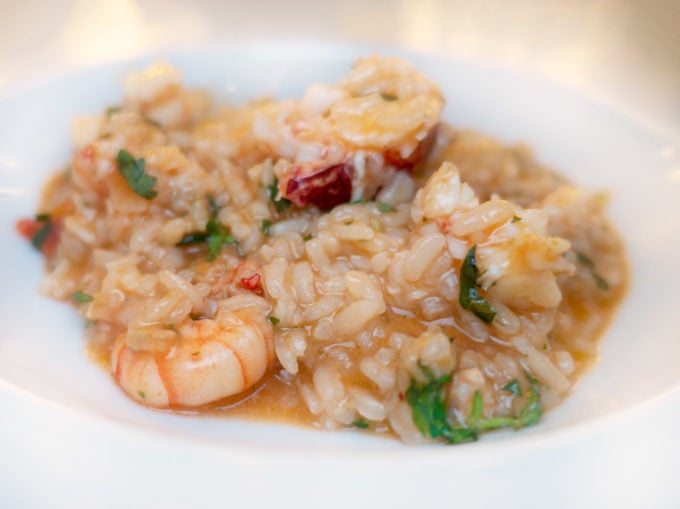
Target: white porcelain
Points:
(46, 378)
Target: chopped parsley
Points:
(215, 235)
(81, 297)
(427, 402)
(590, 265)
(274, 320)
(469, 297)
(388, 97)
(599, 281)
(266, 225)
(385, 207)
(530, 414)
(133, 171)
(513, 387)
(533, 409)
(151, 121)
(477, 421)
(141, 394)
(429, 410)
(515, 219)
(214, 207)
(360, 423)
(280, 204)
(112, 110)
(307, 237)
(41, 235)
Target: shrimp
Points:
(208, 359)
(344, 142)
(518, 261)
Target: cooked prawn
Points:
(344, 142)
(209, 359)
(518, 259)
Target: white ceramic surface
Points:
(45, 377)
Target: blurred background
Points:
(625, 53)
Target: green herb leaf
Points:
(360, 423)
(151, 121)
(214, 207)
(216, 241)
(476, 420)
(513, 387)
(141, 394)
(599, 281)
(81, 297)
(274, 320)
(193, 238)
(530, 414)
(584, 260)
(515, 219)
(428, 407)
(41, 235)
(427, 404)
(469, 297)
(280, 204)
(215, 235)
(133, 172)
(385, 207)
(112, 110)
(266, 225)
(533, 410)
(307, 237)
(590, 265)
(388, 97)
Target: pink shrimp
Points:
(342, 143)
(210, 359)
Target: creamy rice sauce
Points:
(345, 260)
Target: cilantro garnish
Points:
(360, 423)
(41, 235)
(266, 225)
(427, 402)
(151, 121)
(513, 387)
(385, 207)
(280, 204)
(469, 297)
(133, 172)
(112, 110)
(215, 235)
(590, 265)
(530, 414)
(81, 297)
(429, 409)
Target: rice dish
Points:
(344, 260)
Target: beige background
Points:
(625, 53)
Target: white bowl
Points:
(42, 362)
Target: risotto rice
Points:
(345, 260)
